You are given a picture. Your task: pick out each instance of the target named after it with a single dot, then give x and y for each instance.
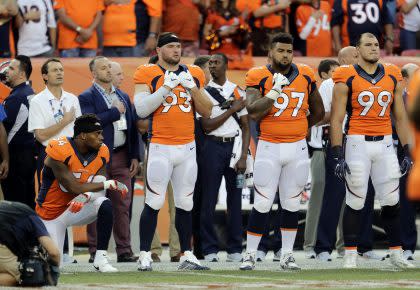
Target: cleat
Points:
(211, 258)
(260, 256)
(189, 262)
(287, 262)
(249, 261)
(397, 259)
(310, 254)
(234, 257)
(102, 264)
(67, 259)
(371, 255)
(350, 261)
(145, 261)
(277, 256)
(408, 255)
(324, 257)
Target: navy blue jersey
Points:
(359, 16)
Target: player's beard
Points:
(170, 60)
(281, 66)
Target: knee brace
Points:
(356, 180)
(261, 203)
(157, 170)
(154, 200)
(262, 173)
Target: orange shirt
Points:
(53, 198)
(217, 21)
(286, 122)
(82, 13)
(371, 98)
(182, 18)
(119, 25)
(4, 92)
(271, 21)
(173, 122)
(154, 7)
(318, 42)
(413, 182)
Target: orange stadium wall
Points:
(78, 78)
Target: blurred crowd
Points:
(240, 29)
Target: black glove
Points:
(407, 162)
(341, 167)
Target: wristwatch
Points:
(152, 34)
(78, 29)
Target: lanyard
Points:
(107, 98)
(58, 115)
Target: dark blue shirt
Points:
(30, 229)
(17, 110)
(2, 113)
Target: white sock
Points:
(287, 240)
(252, 242)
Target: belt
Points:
(118, 149)
(221, 139)
(374, 138)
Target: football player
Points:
(369, 91)
(283, 98)
(169, 93)
(73, 187)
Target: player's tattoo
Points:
(257, 105)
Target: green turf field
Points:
(307, 279)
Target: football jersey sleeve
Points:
(341, 74)
(104, 152)
(395, 72)
(309, 73)
(57, 149)
(198, 75)
(142, 75)
(58, 4)
(253, 78)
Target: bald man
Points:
(117, 74)
(334, 191)
(408, 213)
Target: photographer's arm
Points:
(52, 250)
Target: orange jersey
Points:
(123, 34)
(370, 98)
(53, 198)
(318, 41)
(413, 182)
(173, 122)
(271, 21)
(286, 122)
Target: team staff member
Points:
(116, 115)
(52, 112)
(20, 230)
(313, 25)
(169, 93)
(280, 96)
(19, 185)
(72, 190)
(374, 90)
(119, 40)
(223, 126)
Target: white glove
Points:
(187, 80)
(171, 80)
(116, 185)
(279, 82)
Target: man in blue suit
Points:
(114, 109)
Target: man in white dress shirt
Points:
(228, 121)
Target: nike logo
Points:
(97, 268)
(173, 79)
(188, 80)
(387, 146)
(303, 148)
(192, 148)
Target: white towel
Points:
(236, 154)
(236, 150)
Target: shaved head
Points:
(117, 74)
(347, 55)
(408, 69)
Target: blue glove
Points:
(407, 162)
(341, 167)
